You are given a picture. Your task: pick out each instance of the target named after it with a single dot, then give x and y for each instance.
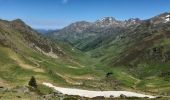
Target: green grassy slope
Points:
(20, 59)
(137, 58)
(143, 53)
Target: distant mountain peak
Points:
(167, 18)
(107, 19)
(81, 23)
(17, 21)
(112, 22)
(132, 21)
(162, 18)
(78, 26)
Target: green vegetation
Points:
(32, 82)
(138, 59)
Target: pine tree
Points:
(32, 82)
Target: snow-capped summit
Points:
(162, 18)
(132, 21)
(107, 22)
(107, 19)
(167, 18)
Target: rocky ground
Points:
(29, 93)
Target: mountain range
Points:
(136, 52)
(141, 47)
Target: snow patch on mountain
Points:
(167, 18)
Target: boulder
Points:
(122, 96)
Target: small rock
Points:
(1, 87)
(122, 96)
(111, 96)
(22, 89)
(99, 97)
(18, 96)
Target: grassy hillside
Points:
(142, 52)
(137, 59)
(138, 53)
(27, 54)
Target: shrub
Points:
(33, 82)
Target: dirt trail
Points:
(24, 65)
(69, 80)
(73, 67)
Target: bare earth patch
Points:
(3, 83)
(50, 54)
(69, 80)
(24, 65)
(73, 67)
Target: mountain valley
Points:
(107, 54)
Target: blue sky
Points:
(54, 14)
